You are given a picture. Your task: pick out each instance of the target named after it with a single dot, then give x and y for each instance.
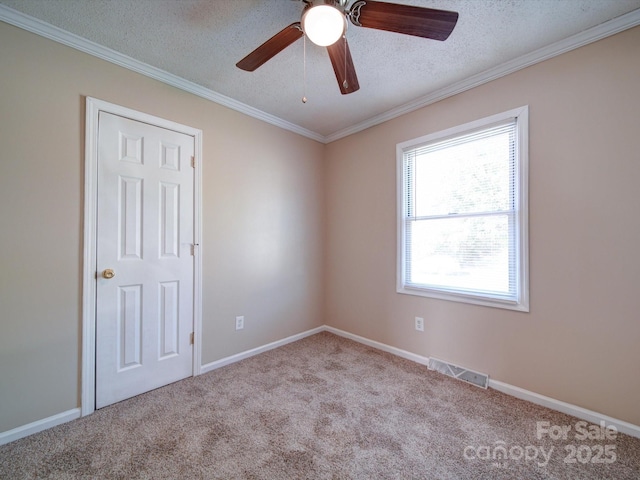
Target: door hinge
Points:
(191, 338)
(193, 249)
(193, 162)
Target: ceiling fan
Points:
(325, 23)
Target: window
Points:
(462, 208)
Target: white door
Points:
(145, 267)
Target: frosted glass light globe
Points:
(324, 24)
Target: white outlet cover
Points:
(419, 324)
(239, 323)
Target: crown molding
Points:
(56, 34)
(591, 35)
(33, 25)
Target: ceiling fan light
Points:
(324, 24)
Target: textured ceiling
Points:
(201, 41)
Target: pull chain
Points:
(345, 84)
(304, 69)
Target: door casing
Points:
(93, 108)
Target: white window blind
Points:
(461, 226)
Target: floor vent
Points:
(451, 370)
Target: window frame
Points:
(521, 206)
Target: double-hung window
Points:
(462, 213)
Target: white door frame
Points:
(93, 108)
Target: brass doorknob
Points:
(108, 273)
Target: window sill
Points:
(521, 306)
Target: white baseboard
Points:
(38, 426)
(564, 407)
(380, 346)
(255, 351)
(536, 398)
(552, 403)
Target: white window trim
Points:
(521, 115)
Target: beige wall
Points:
(293, 242)
(262, 212)
(580, 342)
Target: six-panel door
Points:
(145, 233)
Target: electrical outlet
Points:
(420, 324)
(239, 323)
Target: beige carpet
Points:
(326, 408)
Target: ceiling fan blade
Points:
(342, 62)
(408, 19)
(271, 47)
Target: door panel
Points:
(145, 230)
(129, 327)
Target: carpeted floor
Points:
(321, 408)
